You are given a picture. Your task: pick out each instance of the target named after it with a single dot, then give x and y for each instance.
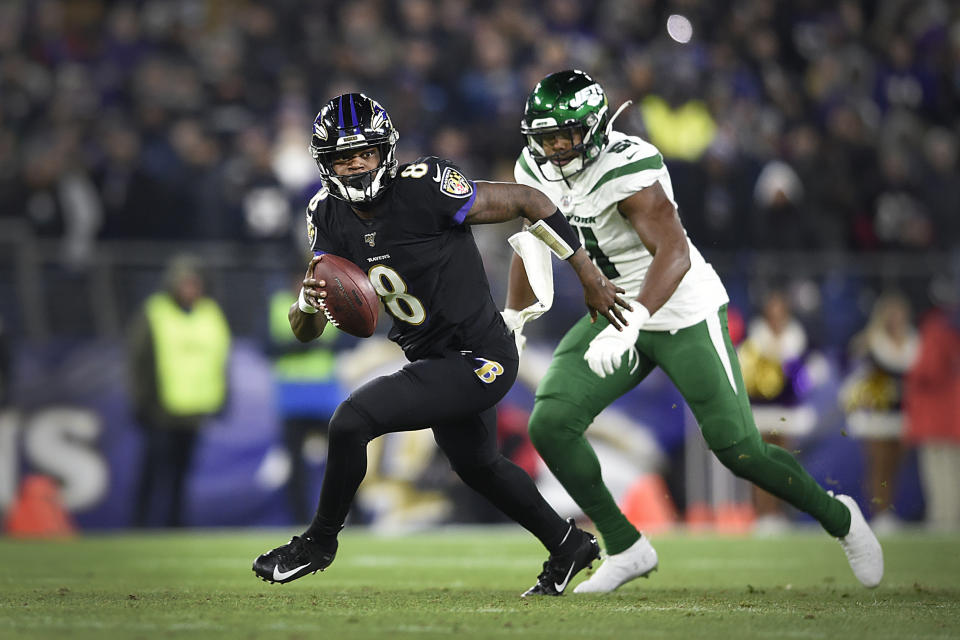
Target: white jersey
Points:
(626, 165)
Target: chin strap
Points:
(616, 115)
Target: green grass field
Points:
(465, 583)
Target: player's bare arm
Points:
(308, 326)
(502, 201)
(655, 220)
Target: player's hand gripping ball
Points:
(351, 303)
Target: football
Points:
(351, 303)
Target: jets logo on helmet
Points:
(562, 104)
(592, 95)
(348, 122)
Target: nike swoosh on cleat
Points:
(283, 575)
(563, 585)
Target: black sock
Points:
(322, 533)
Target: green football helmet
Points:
(561, 103)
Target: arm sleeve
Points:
(635, 175)
(630, 165)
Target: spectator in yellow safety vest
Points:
(178, 351)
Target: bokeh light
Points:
(679, 28)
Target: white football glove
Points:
(515, 324)
(606, 351)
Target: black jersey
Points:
(419, 255)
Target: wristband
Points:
(637, 317)
(305, 306)
(555, 232)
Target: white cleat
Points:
(861, 546)
(636, 562)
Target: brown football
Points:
(352, 304)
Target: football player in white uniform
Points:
(616, 192)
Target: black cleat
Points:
(293, 560)
(558, 570)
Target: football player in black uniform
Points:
(408, 227)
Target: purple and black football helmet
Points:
(354, 121)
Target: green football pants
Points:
(702, 363)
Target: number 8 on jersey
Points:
(391, 288)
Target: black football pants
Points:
(454, 395)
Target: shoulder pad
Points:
(428, 160)
(525, 170)
(317, 198)
(633, 146)
(417, 169)
(437, 173)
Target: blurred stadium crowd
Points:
(808, 124)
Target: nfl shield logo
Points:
(369, 238)
(565, 201)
